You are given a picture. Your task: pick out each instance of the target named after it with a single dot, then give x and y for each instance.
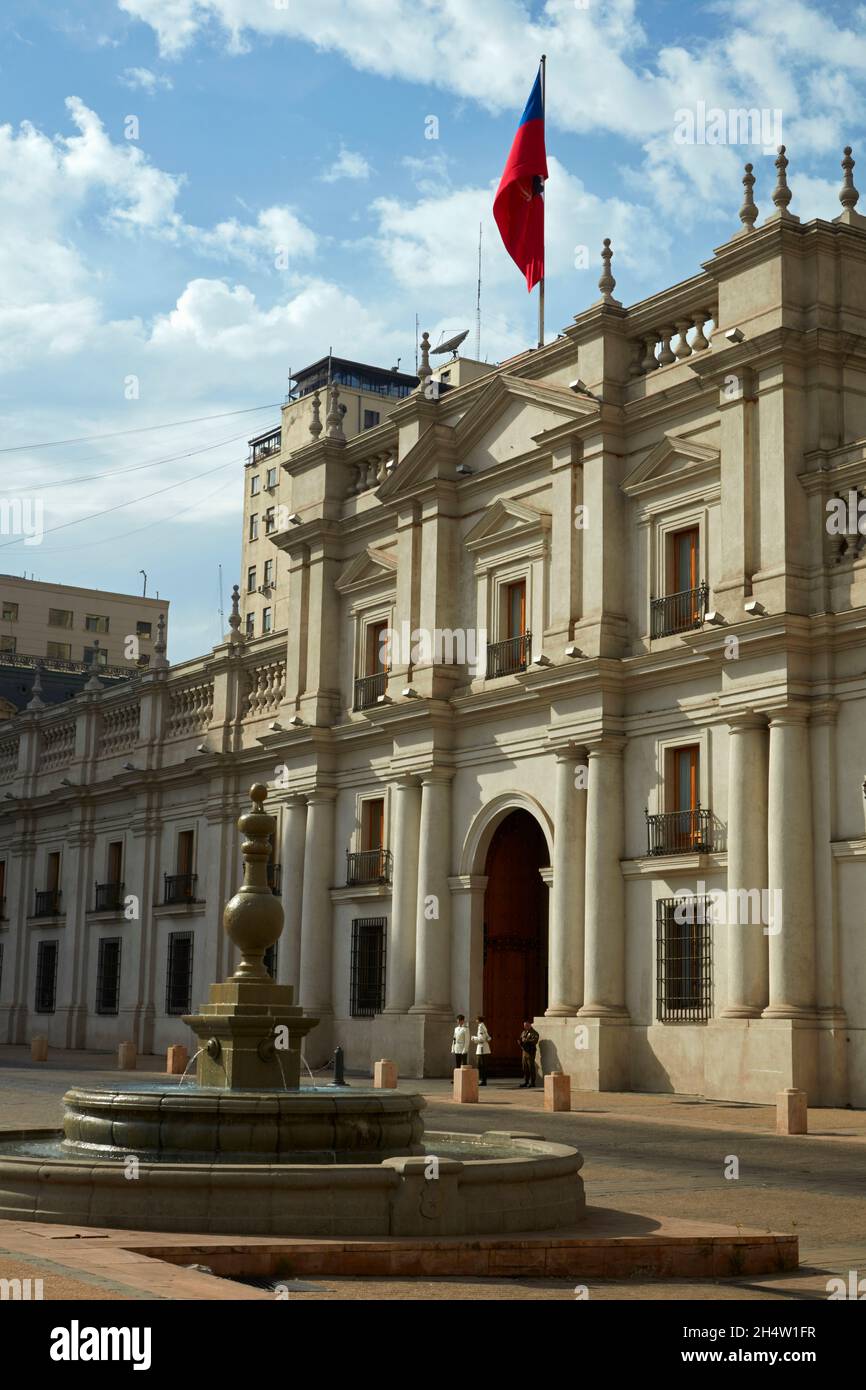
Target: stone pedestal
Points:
(465, 1085)
(39, 1049)
(126, 1056)
(791, 1112)
(557, 1091)
(176, 1060)
(385, 1075)
(252, 1034)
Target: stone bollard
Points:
(176, 1059)
(465, 1085)
(557, 1091)
(791, 1112)
(39, 1049)
(126, 1056)
(385, 1075)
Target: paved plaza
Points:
(652, 1155)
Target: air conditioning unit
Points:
(264, 589)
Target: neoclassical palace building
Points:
(562, 701)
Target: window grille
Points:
(684, 959)
(368, 967)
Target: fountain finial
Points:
(253, 918)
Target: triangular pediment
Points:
(506, 517)
(372, 567)
(497, 399)
(503, 421)
(675, 457)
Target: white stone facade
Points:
(580, 496)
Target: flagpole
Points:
(541, 281)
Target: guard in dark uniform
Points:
(528, 1048)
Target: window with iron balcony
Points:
(510, 655)
(683, 607)
(685, 827)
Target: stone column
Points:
(566, 942)
(433, 911)
(747, 957)
(790, 867)
(316, 984)
(467, 957)
(828, 968)
(604, 986)
(400, 961)
(292, 850)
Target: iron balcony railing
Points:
(681, 612)
(504, 658)
(368, 689)
(275, 879)
(47, 902)
(109, 897)
(265, 446)
(60, 663)
(368, 866)
(680, 832)
(179, 888)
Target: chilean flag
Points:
(519, 203)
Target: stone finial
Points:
(159, 646)
(95, 684)
(425, 370)
(334, 419)
(36, 701)
(749, 211)
(253, 918)
(782, 193)
(606, 282)
(235, 637)
(848, 194)
(316, 421)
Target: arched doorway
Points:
(515, 935)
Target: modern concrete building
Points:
(72, 627)
(566, 722)
(367, 395)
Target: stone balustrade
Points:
(668, 343)
(371, 472)
(120, 728)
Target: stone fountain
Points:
(248, 1150)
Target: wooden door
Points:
(684, 796)
(115, 861)
(515, 611)
(515, 936)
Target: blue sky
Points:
(281, 196)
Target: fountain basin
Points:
(503, 1182)
(203, 1124)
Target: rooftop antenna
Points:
(222, 625)
(416, 344)
(330, 351)
(478, 303)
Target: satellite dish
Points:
(451, 344)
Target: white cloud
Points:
(603, 73)
(50, 187)
(142, 79)
(278, 237)
(348, 165)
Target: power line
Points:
(232, 463)
(141, 429)
(119, 472)
(160, 521)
